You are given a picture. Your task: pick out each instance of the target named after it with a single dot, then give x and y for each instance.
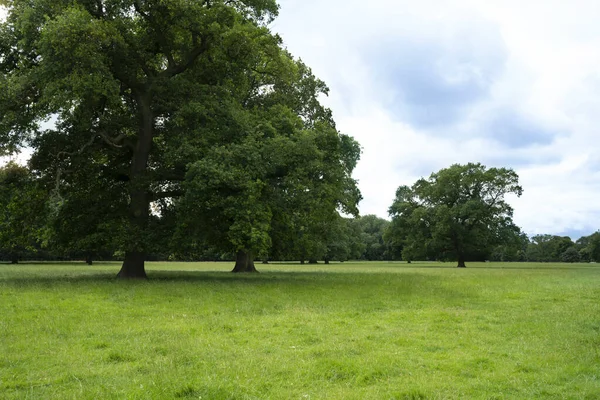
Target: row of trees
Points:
(551, 248)
(33, 227)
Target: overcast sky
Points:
(422, 85)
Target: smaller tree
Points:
(458, 213)
(23, 212)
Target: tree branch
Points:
(81, 149)
(114, 142)
(174, 69)
(166, 194)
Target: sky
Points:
(423, 85)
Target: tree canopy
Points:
(457, 213)
(167, 108)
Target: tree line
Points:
(31, 227)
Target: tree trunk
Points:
(302, 262)
(88, 260)
(139, 201)
(461, 261)
(326, 261)
(244, 262)
(133, 266)
(14, 259)
(313, 261)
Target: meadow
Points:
(341, 331)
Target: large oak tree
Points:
(146, 98)
(457, 213)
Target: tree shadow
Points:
(290, 273)
(359, 285)
(157, 276)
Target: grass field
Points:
(344, 331)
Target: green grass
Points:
(344, 331)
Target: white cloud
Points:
(543, 94)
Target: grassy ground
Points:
(345, 331)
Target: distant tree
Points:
(338, 241)
(373, 229)
(559, 245)
(23, 212)
(589, 247)
(548, 248)
(570, 255)
(394, 239)
(356, 242)
(514, 247)
(594, 247)
(456, 213)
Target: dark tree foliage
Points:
(23, 213)
(589, 247)
(548, 248)
(570, 255)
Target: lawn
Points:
(343, 331)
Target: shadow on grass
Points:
(274, 273)
(361, 285)
(187, 276)
(267, 278)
